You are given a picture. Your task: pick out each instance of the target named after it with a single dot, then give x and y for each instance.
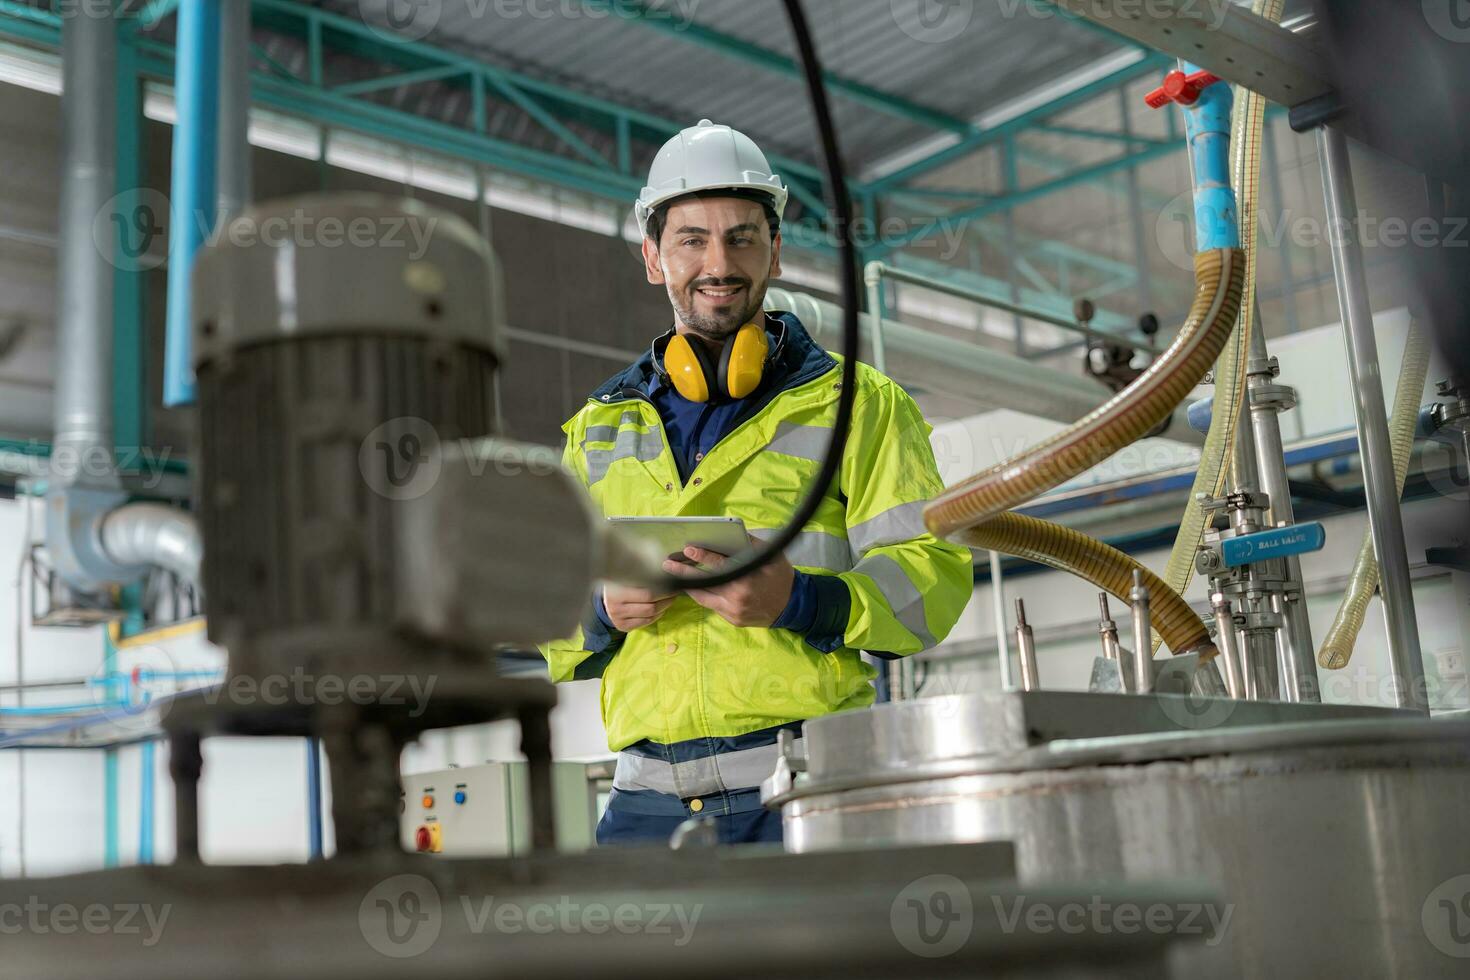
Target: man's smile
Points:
(720, 292)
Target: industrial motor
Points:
(329, 363)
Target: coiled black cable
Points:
(743, 565)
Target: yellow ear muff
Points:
(686, 370)
(745, 360)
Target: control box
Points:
(485, 810)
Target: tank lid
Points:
(341, 264)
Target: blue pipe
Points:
(313, 799)
(191, 218)
(1207, 124)
(145, 803)
(109, 812)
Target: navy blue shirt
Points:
(819, 604)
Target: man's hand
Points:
(757, 600)
(630, 608)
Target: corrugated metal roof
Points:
(958, 59)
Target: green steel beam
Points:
(357, 38)
(980, 139)
(271, 63)
(31, 24)
(754, 54)
(1098, 134)
(1019, 197)
(548, 122)
(398, 79)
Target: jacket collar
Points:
(802, 360)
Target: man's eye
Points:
(742, 241)
(691, 243)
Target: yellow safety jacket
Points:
(693, 675)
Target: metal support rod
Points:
(1298, 659)
(1261, 665)
(232, 176)
(1108, 629)
(1384, 516)
(84, 343)
(536, 747)
(1225, 642)
(185, 764)
(998, 601)
(1245, 471)
(1026, 644)
(881, 271)
(874, 277)
(1143, 666)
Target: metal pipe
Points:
(1225, 643)
(1384, 516)
(232, 192)
(998, 601)
(196, 96)
(876, 272)
(154, 535)
(874, 278)
(1026, 643)
(1004, 378)
(1259, 656)
(1298, 652)
(1108, 629)
(83, 398)
(1143, 661)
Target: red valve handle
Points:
(1181, 88)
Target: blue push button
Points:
(459, 797)
(1282, 542)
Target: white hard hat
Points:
(708, 157)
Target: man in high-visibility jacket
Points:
(729, 415)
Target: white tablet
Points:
(724, 535)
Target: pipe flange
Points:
(330, 264)
(1278, 398)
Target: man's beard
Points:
(716, 327)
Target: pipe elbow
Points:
(154, 535)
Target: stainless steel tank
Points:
(1336, 841)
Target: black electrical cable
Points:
(741, 566)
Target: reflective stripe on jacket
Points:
(693, 675)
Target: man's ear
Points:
(651, 262)
(776, 257)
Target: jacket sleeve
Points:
(586, 653)
(908, 588)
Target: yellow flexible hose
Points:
(1123, 420)
(1337, 648)
(1107, 568)
(1231, 371)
